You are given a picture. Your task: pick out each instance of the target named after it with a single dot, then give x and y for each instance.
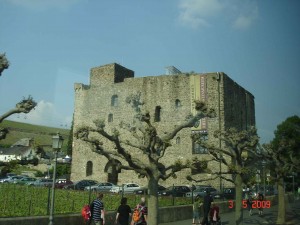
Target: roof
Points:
(23, 142)
(15, 150)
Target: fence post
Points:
(48, 204)
(173, 197)
(29, 210)
(90, 192)
(73, 205)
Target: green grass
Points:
(41, 134)
(18, 200)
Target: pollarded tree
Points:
(283, 153)
(4, 64)
(24, 106)
(145, 139)
(237, 146)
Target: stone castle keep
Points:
(169, 99)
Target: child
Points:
(214, 214)
(196, 206)
(260, 198)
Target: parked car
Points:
(42, 182)
(80, 185)
(176, 191)
(11, 179)
(202, 192)
(5, 180)
(103, 187)
(145, 190)
(127, 188)
(229, 193)
(25, 180)
(62, 183)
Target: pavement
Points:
(269, 216)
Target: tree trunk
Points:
(152, 201)
(238, 199)
(281, 202)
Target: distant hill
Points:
(42, 135)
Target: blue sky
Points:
(53, 44)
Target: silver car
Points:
(42, 182)
(201, 192)
(103, 187)
(127, 188)
(11, 179)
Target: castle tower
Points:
(169, 99)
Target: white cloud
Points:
(205, 13)
(44, 114)
(246, 19)
(195, 13)
(40, 5)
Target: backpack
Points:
(86, 212)
(137, 214)
(92, 208)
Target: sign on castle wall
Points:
(198, 92)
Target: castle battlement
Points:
(109, 74)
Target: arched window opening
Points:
(157, 114)
(114, 100)
(113, 168)
(177, 104)
(89, 168)
(178, 140)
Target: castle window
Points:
(197, 149)
(89, 168)
(157, 114)
(178, 140)
(114, 100)
(110, 118)
(177, 104)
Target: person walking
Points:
(123, 213)
(97, 209)
(206, 207)
(249, 203)
(140, 212)
(260, 198)
(196, 208)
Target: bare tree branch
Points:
(4, 64)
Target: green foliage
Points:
(62, 169)
(39, 174)
(287, 136)
(70, 140)
(17, 200)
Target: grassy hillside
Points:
(42, 135)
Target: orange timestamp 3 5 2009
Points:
(256, 204)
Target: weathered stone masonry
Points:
(170, 96)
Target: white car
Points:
(126, 188)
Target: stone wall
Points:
(233, 104)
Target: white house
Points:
(23, 149)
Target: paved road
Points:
(269, 217)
